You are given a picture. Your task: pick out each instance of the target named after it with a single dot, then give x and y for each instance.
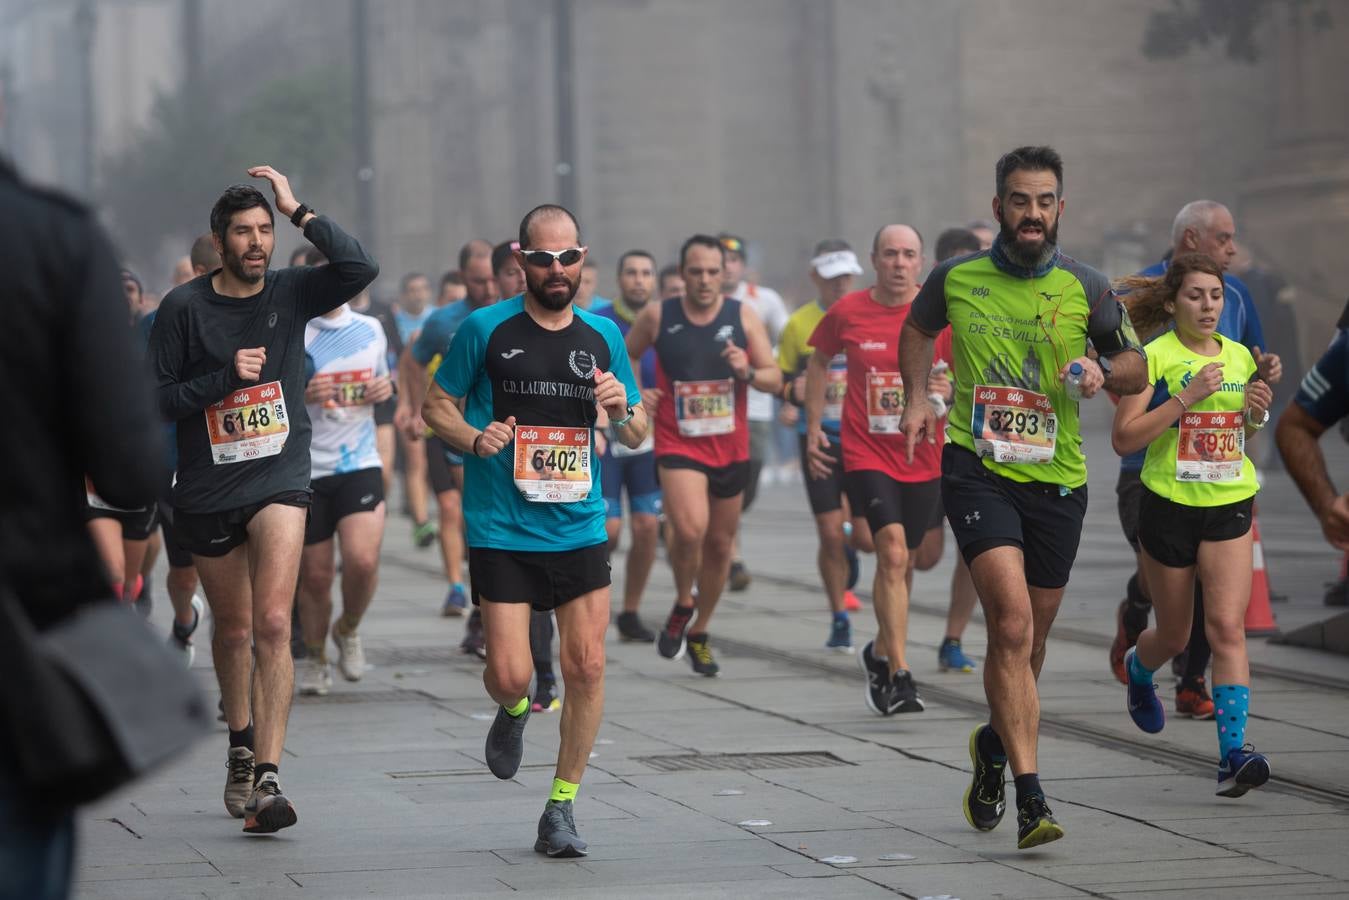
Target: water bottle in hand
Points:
(937, 400)
(1072, 382)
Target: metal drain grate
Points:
(742, 762)
(365, 697)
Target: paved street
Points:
(395, 800)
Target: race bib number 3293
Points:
(1013, 425)
(552, 464)
(250, 423)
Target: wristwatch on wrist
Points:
(298, 216)
(623, 421)
(1104, 363)
(1256, 426)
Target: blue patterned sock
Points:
(1139, 675)
(1231, 703)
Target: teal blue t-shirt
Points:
(505, 364)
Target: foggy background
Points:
(419, 125)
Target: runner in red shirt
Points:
(709, 349)
(901, 501)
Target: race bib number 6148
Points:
(249, 424)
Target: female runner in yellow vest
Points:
(1204, 401)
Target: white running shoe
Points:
(350, 655)
(316, 677)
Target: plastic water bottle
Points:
(937, 400)
(1072, 383)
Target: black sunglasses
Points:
(543, 259)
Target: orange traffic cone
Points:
(1259, 615)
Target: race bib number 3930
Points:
(1013, 425)
(250, 423)
(552, 464)
(1211, 446)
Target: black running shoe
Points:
(670, 643)
(268, 810)
(630, 628)
(700, 656)
(904, 694)
(1035, 824)
(877, 673)
(986, 797)
(506, 743)
(738, 578)
(557, 832)
(475, 641)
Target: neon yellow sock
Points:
(518, 709)
(563, 790)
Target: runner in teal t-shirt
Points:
(520, 393)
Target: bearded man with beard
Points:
(227, 349)
(522, 387)
(1024, 320)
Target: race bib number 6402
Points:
(249, 424)
(552, 464)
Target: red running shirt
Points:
(868, 334)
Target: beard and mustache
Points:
(1026, 255)
(539, 289)
(235, 264)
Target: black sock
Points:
(1197, 652)
(1027, 786)
(262, 769)
(1137, 608)
(242, 738)
(546, 677)
(698, 638)
(990, 745)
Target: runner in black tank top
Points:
(709, 349)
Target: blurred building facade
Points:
(782, 120)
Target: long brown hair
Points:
(1147, 297)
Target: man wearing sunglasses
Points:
(520, 392)
(710, 349)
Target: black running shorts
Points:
(339, 496)
(987, 510)
(883, 501)
(384, 412)
(179, 556)
(723, 482)
(544, 579)
(1128, 495)
(217, 533)
(824, 494)
(1174, 531)
(444, 467)
(137, 524)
